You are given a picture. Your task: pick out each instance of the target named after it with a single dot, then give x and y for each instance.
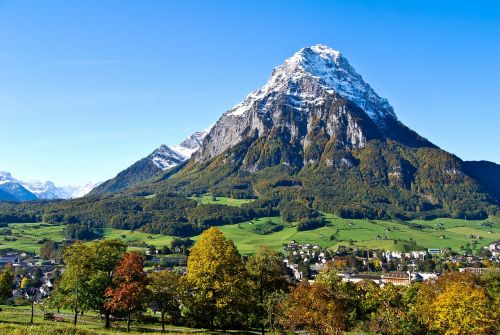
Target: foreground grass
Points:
(62, 329)
(16, 320)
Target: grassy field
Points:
(363, 233)
(29, 236)
(208, 199)
(248, 236)
(15, 320)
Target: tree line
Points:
(223, 290)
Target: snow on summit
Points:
(327, 68)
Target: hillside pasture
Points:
(249, 235)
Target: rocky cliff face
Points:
(316, 131)
(318, 103)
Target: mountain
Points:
(318, 133)
(191, 144)
(5, 196)
(36, 189)
(315, 138)
(488, 173)
(161, 159)
(14, 190)
(73, 192)
(316, 87)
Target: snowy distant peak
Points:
(165, 158)
(4, 175)
(44, 189)
(191, 144)
(319, 66)
(72, 192)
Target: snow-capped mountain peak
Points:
(161, 159)
(165, 158)
(191, 144)
(318, 66)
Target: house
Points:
(356, 278)
(434, 251)
(396, 278)
(427, 275)
(479, 270)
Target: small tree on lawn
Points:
(6, 282)
(164, 293)
(30, 293)
(129, 291)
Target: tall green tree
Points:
(266, 275)
(74, 282)
(165, 293)
(88, 273)
(106, 257)
(6, 282)
(217, 275)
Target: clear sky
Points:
(89, 87)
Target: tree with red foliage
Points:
(129, 291)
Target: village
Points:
(305, 261)
(301, 262)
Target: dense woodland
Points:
(222, 290)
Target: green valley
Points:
(439, 233)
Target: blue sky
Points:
(89, 87)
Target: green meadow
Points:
(208, 199)
(248, 236)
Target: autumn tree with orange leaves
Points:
(314, 309)
(129, 292)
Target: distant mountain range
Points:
(12, 189)
(161, 159)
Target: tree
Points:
(461, 310)
(129, 293)
(74, 281)
(217, 275)
(266, 273)
(164, 293)
(106, 256)
(50, 249)
(455, 304)
(88, 273)
(348, 293)
(314, 309)
(390, 311)
(6, 282)
(30, 293)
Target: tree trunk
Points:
(32, 310)
(163, 321)
(212, 311)
(107, 323)
(76, 316)
(261, 302)
(128, 322)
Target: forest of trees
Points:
(223, 290)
